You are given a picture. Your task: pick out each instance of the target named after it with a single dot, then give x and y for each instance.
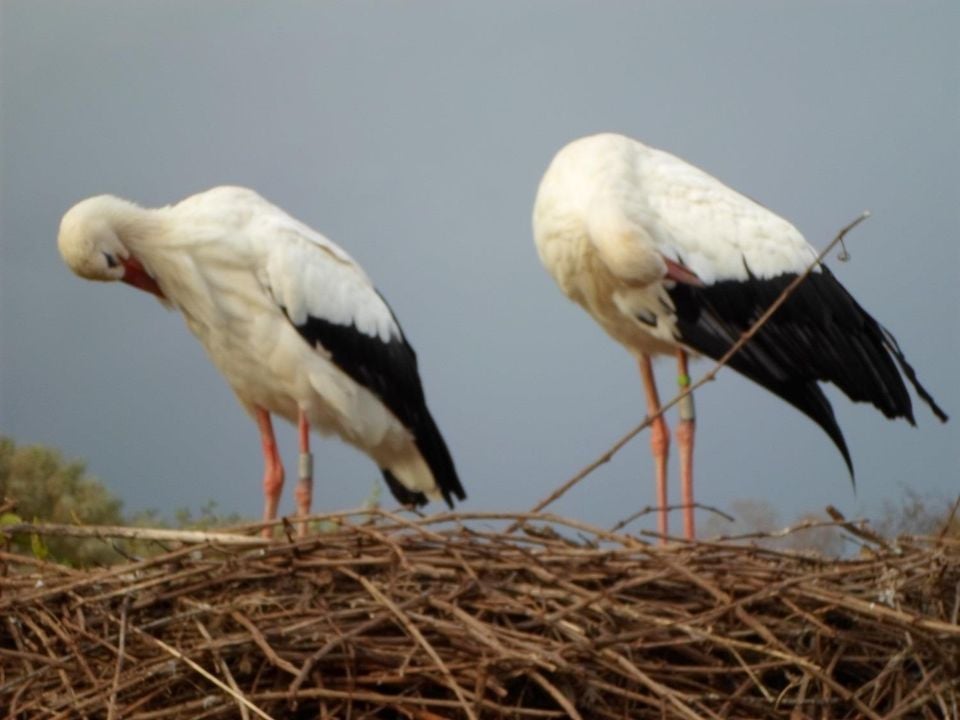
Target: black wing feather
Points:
(819, 334)
(389, 371)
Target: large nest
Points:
(457, 616)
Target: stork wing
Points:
(335, 308)
(692, 218)
(745, 256)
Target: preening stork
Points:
(292, 322)
(669, 260)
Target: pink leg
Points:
(273, 468)
(685, 431)
(305, 480)
(659, 442)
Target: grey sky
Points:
(414, 135)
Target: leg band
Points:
(306, 466)
(686, 408)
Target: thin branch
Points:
(264, 646)
(416, 635)
(131, 533)
(653, 508)
(864, 533)
(948, 523)
(200, 670)
(224, 668)
(562, 700)
(121, 644)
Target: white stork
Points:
(668, 260)
(292, 322)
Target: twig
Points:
(864, 533)
(200, 671)
(224, 668)
(562, 700)
(948, 523)
(110, 531)
(331, 644)
(653, 508)
(417, 635)
(264, 646)
(876, 609)
(121, 644)
(800, 527)
(662, 691)
(708, 377)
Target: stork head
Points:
(91, 242)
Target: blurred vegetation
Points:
(44, 488)
(912, 514)
(758, 517)
(38, 485)
(915, 514)
(184, 519)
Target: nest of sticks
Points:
(459, 616)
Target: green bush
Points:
(45, 488)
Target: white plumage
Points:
(290, 320)
(670, 260)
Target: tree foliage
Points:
(46, 488)
(43, 487)
(916, 514)
(758, 517)
(911, 514)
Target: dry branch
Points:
(131, 533)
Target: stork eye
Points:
(111, 260)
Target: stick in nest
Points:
(239, 697)
(121, 645)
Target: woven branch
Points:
(452, 617)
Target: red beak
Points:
(681, 273)
(135, 275)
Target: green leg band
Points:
(686, 408)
